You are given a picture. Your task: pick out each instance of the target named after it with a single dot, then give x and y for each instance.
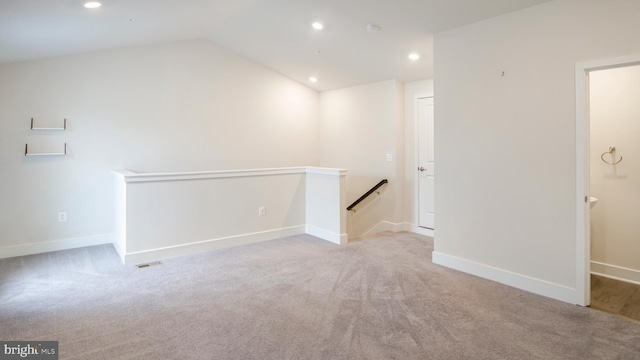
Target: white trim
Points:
(121, 252)
(583, 242)
(583, 254)
(420, 230)
(340, 239)
(132, 177)
(385, 226)
(611, 63)
(212, 244)
(398, 227)
(536, 286)
(55, 245)
(616, 272)
(171, 251)
(325, 171)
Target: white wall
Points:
(183, 106)
(615, 121)
(506, 147)
(359, 126)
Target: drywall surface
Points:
(506, 148)
(411, 91)
(359, 127)
(326, 204)
(186, 106)
(615, 121)
(171, 214)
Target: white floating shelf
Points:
(44, 154)
(64, 126)
(27, 153)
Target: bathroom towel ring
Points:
(612, 151)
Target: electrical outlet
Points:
(389, 157)
(62, 216)
(261, 211)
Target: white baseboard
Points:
(55, 245)
(419, 230)
(178, 250)
(385, 226)
(207, 245)
(340, 239)
(119, 249)
(398, 227)
(615, 272)
(536, 286)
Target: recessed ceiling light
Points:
(373, 28)
(92, 4)
(313, 79)
(414, 56)
(317, 25)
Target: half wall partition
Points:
(160, 215)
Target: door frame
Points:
(416, 156)
(583, 236)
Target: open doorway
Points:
(614, 180)
(607, 128)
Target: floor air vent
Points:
(141, 266)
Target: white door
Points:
(426, 164)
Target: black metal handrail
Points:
(373, 189)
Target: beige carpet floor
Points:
(294, 298)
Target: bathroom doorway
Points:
(614, 178)
(608, 118)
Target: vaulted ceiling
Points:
(275, 33)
